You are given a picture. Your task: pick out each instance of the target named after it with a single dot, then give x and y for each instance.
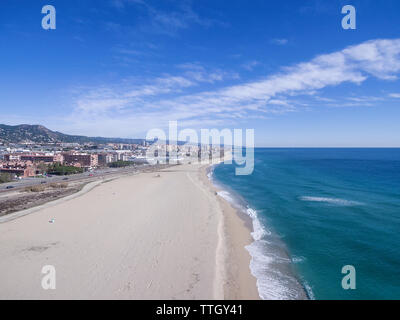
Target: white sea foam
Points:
(226, 195)
(272, 281)
(259, 231)
(309, 291)
(335, 201)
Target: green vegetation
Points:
(6, 177)
(60, 170)
(42, 167)
(120, 164)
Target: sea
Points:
(315, 211)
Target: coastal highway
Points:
(100, 173)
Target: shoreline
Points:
(260, 250)
(239, 283)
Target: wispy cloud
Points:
(100, 100)
(166, 98)
(250, 65)
(130, 52)
(167, 22)
(199, 73)
(395, 95)
(280, 42)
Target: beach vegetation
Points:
(42, 167)
(120, 164)
(61, 170)
(6, 177)
(38, 188)
(62, 185)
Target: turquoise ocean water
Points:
(317, 210)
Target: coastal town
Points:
(38, 165)
(31, 160)
(32, 174)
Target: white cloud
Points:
(197, 72)
(167, 22)
(280, 42)
(365, 99)
(130, 52)
(251, 65)
(147, 106)
(116, 98)
(379, 58)
(395, 95)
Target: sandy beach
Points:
(154, 235)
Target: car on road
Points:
(10, 187)
(43, 182)
(65, 178)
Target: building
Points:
(84, 160)
(22, 169)
(105, 158)
(12, 157)
(34, 157)
(102, 159)
(42, 158)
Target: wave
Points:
(259, 231)
(269, 263)
(309, 291)
(273, 280)
(226, 195)
(335, 201)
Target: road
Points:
(28, 182)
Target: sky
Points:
(287, 69)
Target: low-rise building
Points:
(20, 168)
(12, 157)
(42, 158)
(102, 159)
(34, 157)
(83, 159)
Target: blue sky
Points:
(287, 69)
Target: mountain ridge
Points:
(27, 133)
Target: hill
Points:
(26, 133)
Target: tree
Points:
(6, 177)
(61, 170)
(42, 167)
(120, 164)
